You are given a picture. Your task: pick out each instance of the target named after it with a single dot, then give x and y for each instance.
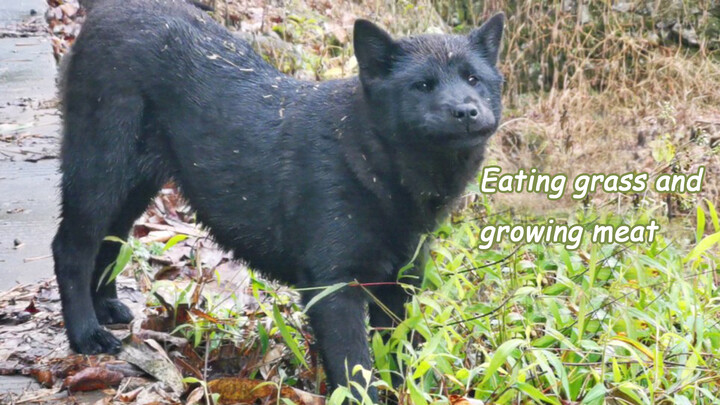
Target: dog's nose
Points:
(465, 111)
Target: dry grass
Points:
(602, 97)
(588, 88)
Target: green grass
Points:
(635, 324)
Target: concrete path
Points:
(29, 130)
(29, 133)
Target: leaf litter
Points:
(193, 284)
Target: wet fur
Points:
(311, 183)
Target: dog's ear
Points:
(374, 49)
(488, 38)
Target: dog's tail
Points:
(89, 4)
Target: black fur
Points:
(311, 183)
(88, 4)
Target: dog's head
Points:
(432, 88)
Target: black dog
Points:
(311, 183)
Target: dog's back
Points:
(156, 45)
(151, 84)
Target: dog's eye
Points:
(473, 80)
(425, 86)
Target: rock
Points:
(686, 34)
(568, 6)
(653, 38)
(585, 16)
(623, 7)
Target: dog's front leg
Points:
(338, 321)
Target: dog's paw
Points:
(111, 310)
(95, 341)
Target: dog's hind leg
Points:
(338, 321)
(100, 169)
(387, 314)
(108, 308)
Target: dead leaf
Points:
(154, 363)
(157, 236)
(272, 356)
(93, 378)
(234, 390)
(195, 396)
(43, 376)
(212, 319)
(31, 308)
(128, 396)
(185, 366)
(69, 10)
(130, 388)
(154, 394)
(460, 400)
(166, 338)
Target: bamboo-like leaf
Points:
(285, 332)
(500, 356)
(422, 369)
(636, 345)
(713, 215)
(703, 246)
(325, 292)
(122, 260)
(535, 393)
(700, 230)
(597, 392)
(174, 241)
